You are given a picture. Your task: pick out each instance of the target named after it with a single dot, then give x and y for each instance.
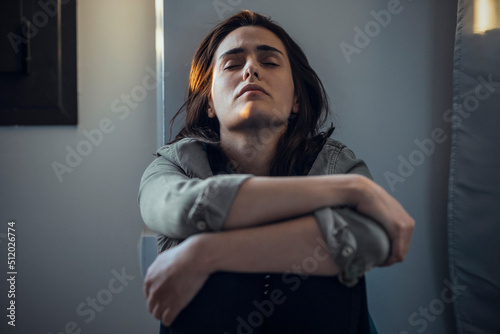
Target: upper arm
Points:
(348, 163)
(179, 205)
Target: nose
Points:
(251, 71)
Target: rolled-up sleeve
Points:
(176, 203)
(356, 242)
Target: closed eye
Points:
(231, 67)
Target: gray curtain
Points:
(474, 188)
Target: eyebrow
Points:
(241, 50)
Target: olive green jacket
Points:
(179, 196)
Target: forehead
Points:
(248, 38)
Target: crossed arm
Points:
(274, 238)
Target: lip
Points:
(252, 87)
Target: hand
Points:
(173, 280)
(374, 201)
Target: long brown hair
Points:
(302, 138)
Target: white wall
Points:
(72, 234)
(391, 93)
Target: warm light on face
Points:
(245, 111)
(486, 15)
(251, 55)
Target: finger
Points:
(399, 254)
(151, 306)
(160, 310)
(168, 317)
(390, 259)
(401, 245)
(146, 287)
(405, 238)
(152, 303)
(148, 282)
(396, 253)
(156, 312)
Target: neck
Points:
(251, 152)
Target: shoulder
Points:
(188, 154)
(180, 147)
(333, 150)
(336, 158)
(332, 144)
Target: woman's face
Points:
(252, 84)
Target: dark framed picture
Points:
(38, 65)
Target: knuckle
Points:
(152, 290)
(398, 228)
(412, 224)
(154, 294)
(148, 279)
(147, 284)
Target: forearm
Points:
(295, 246)
(178, 274)
(278, 198)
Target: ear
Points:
(211, 109)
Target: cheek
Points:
(215, 92)
(288, 91)
(223, 88)
(218, 85)
(285, 82)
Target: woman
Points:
(238, 167)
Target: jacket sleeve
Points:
(175, 202)
(356, 242)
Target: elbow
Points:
(373, 243)
(369, 246)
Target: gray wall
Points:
(71, 235)
(392, 93)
